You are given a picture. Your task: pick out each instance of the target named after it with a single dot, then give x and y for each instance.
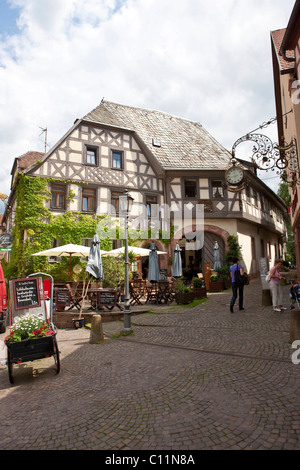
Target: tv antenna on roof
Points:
(44, 131)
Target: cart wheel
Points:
(10, 367)
(56, 355)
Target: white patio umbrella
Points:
(66, 250)
(136, 250)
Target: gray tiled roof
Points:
(184, 144)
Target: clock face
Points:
(234, 175)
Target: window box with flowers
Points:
(30, 338)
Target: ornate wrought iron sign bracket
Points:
(267, 155)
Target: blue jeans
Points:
(237, 289)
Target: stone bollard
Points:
(266, 298)
(295, 325)
(96, 335)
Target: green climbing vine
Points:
(235, 249)
(35, 227)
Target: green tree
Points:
(234, 248)
(283, 193)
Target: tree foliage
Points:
(234, 248)
(35, 227)
(283, 192)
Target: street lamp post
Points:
(126, 202)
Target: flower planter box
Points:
(200, 292)
(216, 286)
(184, 298)
(31, 349)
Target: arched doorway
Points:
(208, 249)
(193, 261)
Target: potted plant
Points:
(199, 288)
(224, 275)
(216, 285)
(183, 294)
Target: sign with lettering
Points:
(264, 265)
(62, 297)
(163, 274)
(26, 293)
(107, 297)
(5, 240)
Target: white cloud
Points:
(204, 61)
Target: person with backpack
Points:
(275, 287)
(236, 270)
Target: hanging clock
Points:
(234, 175)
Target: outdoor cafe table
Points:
(100, 298)
(73, 298)
(159, 292)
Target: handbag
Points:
(268, 277)
(241, 279)
(245, 279)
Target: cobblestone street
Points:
(186, 379)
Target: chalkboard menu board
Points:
(26, 293)
(62, 297)
(264, 265)
(107, 297)
(163, 274)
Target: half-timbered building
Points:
(163, 161)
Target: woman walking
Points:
(275, 287)
(237, 288)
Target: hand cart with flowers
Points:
(32, 335)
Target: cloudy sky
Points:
(207, 61)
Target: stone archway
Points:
(220, 232)
(204, 255)
(223, 234)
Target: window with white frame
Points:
(91, 157)
(117, 160)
